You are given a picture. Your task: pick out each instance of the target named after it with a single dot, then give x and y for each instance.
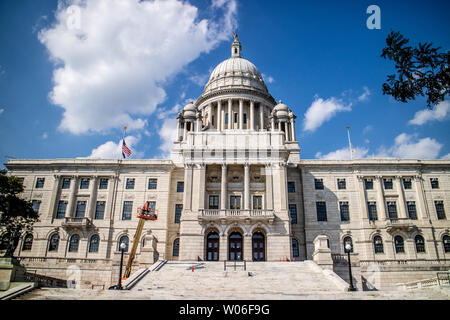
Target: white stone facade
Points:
(236, 178)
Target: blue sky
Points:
(67, 89)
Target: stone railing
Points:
(62, 260)
(71, 222)
(393, 224)
(415, 262)
(442, 279)
(236, 214)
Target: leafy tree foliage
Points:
(16, 214)
(419, 71)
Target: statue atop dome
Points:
(235, 36)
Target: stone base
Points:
(8, 269)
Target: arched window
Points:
(73, 243)
(420, 244)
(176, 247)
(348, 240)
(446, 242)
(123, 239)
(399, 244)
(378, 244)
(54, 242)
(27, 242)
(295, 248)
(4, 241)
(93, 243)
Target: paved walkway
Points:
(261, 281)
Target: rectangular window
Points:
(103, 184)
(293, 212)
(434, 183)
(100, 210)
(40, 183)
(407, 183)
(318, 183)
(214, 202)
(84, 183)
(81, 209)
(392, 210)
(368, 184)
(180, 186)
(257, 202)
(245, 118)
(345, 213)
(65, 183)
(130, 183)
(152, 184)
(127, 208)
(178, 210)
(235, 202)
(341, 184)
(412, 212)
(291, 186)
(440, 209)
(61, 210)
(235, 117)
(36, 205)
(226, 118)
(372, 207)
(387, 183)
(321, 209)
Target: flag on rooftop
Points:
(126, 152)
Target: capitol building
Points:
(236, 188)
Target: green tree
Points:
(419, 71)
(16, 214)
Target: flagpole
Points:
(350, 143)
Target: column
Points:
(380, 199)
(198, 122)
(222, 116)
(184, 130)
(219, 115)
(109, 209)
(71, 202)
(187, 196)
(241, 114)
(223, 188)
(178, 129)
(261, 116)
(286, 131)
(293, 128)
(362, 198)
(54, 196)
(401, 198)
(420, 205)
(269, 187)
(272, 123)
(251, 119)
(210, 111)
(201, 196)
(247, 186)
(92, 198)
(230, 116)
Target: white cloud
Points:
(110, 68)
(44, 135)
(446, 157)
(168, 134)
(367, 129)
(1, 111)
(112, 150)
(410, 147)
(440, 112)
(365, 95)
(267, 78)
(343, 154)
(321, 111)
(199, 79)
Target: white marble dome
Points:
(189, 110)
(235, 72)
(281, 110)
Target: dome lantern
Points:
(236, 47)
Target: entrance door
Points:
(212, 247)
(235, 247)
(258, 251)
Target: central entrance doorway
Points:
(258, 247)
(235, 246)
(212, 247)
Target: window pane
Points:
(100, 210)
(392, 210)
(65, 183)
(61, 211)
(81, 209)
(420, 244)
(93, 243)
(176, 247)
(178, 210)
(40, 182)
(54, 242)
(321, 211)
(434, 183)
(291, 186)
(412, 213)
(73, 243)
(36, 205)
(440, 209)
(124, 239)
(27, 242)
(446, 242)
(378, 244)
(152, 184)
(345, 214)
(399, 245)
(180, 186)
(342, 184)
(214, 202)
(387, 183)
(103, 183)
(318, 183)
(407, 183)
(368, 183)
(293, 212)
(127, 208)
(372, 207)
(84, 183)
(130, 183)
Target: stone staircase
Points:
(260, 281)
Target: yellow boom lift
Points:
(144, 213)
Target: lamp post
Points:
(348, 247)
(122, 250)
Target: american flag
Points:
(125, 150)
